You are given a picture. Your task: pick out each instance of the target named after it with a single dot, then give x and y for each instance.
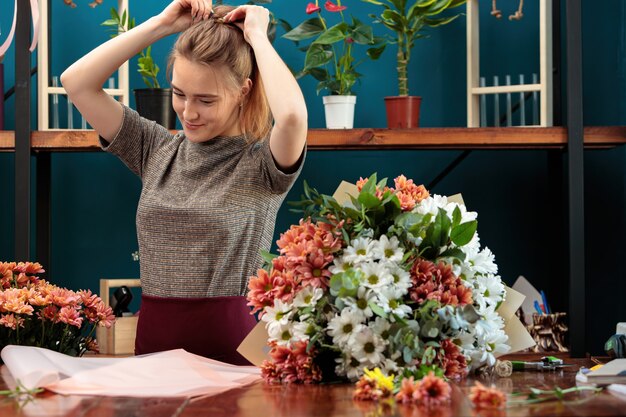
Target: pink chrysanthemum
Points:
(10, 321)
(71, 316)
(437, 282)
(485, 397)
(452, 361)
(105, 315)
(29, 268)
(260, 292)
(88, 299)
(432, 391)
(291, 365)
(63, 297)
(49, 313)
(408, 387)
(14, 300)
(313, 271)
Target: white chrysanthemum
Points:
(431, 205)
(278, 315)
(401, 278)
(389, 301)
(282, 334)
(390, 365)
(307, 297)
(348, 366)
(302, 330)
(367, 347)
(389, 250)
(342, 327)
(375, 275)
(485, 353)
(483, 262)
(360, 304)
(381, 327)
(489, 322)
(492, 288)
(339, 265)
(360, 250)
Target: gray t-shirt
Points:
(206, 209)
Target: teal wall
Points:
(521, 218)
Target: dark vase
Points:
(403, 112)
(156, 104)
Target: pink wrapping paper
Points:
(174, 373)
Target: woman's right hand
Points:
(180, 14)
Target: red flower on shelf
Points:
(332, 7)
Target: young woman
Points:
(210, 193)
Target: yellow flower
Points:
(382, 381)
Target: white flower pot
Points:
(339, 111)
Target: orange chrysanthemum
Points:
(486, 397)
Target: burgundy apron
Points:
(211, 327)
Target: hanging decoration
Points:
(34, 7)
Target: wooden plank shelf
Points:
(366, 139)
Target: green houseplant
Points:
(329, 56)
(153, 102)
(408, 19)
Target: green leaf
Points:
(375, 53)
(114, 14)
(320, 74)
(456, 216)
(439, 22)
(316, 56)
(369, 200)
(453, 253)
(439, 230)
(334, 34)
(463, 233)
(370, 185)
(377, 309)
(268, 256)
(376, 2)
(361, 33)
(109, 22)
(305, 30)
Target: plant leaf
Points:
(463, 233)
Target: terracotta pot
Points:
(403, 112)
(156, 104)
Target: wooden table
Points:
(259, 400)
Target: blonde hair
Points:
(215, 43)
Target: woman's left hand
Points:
(252, 20)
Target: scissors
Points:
(547, 363)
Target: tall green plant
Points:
(146, 65)
(408, 19)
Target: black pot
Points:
(156, 104)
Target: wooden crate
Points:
(119, 339)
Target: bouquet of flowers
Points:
(393, 279)
(34, 312)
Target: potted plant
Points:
(408, 19)
(329, 58)
(153, 102)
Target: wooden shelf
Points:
(364, 139)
